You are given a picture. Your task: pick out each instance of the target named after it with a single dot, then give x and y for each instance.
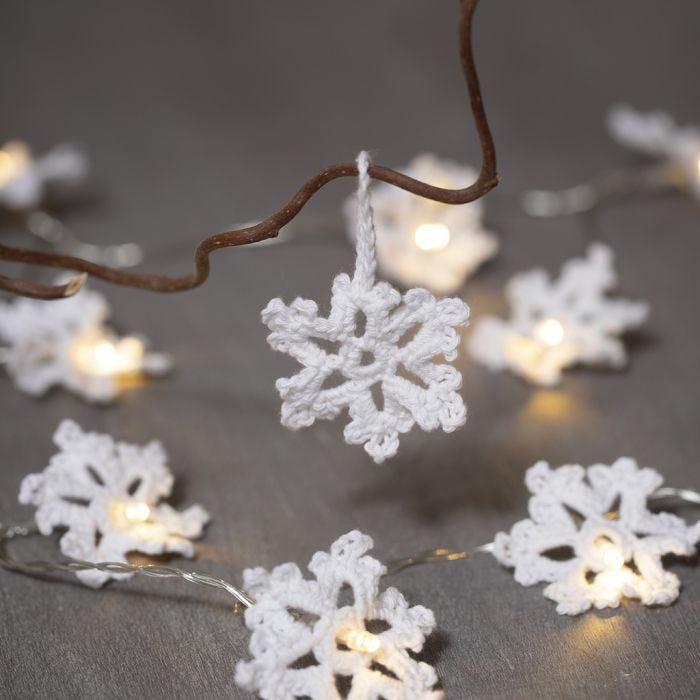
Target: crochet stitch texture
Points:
(584, 513)
(393, 352)
(88, 488)
(301, 643)
(39, 339)
(591, 321)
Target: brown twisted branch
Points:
(270, 227)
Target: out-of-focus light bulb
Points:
(550, 332)
(361, 640)
(611, 556)
(97, 354)
(137, 512)
(14, 159)
(432, 237)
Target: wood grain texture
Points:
(175, 101)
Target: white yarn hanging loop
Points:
(365, 263)
(393, 351)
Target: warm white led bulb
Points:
(611, 556)
(362, 641)
(550, 332)
(136, 512)
(432, 237)
(95, 353)
(14, 160)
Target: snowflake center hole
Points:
(367, 358)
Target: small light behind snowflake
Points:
(68, 343)
(557, 324)
(589, 554)
(404, 336)
(107, 495)
(425, 243)
(306, 634)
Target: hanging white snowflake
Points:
(24, 179)
(425, 243)
(591, 536)
(106, 493)
(305, 642)
(66, 343)
(561, 323)
(657, 135)
(393, 352)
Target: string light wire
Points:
(11, 531)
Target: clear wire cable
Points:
(11, 531)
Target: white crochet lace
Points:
(394, 352)
(306, 643)
(107, 495)
(41, 338)
(656, 134)
(591, 536)
(591, 323)
(398, 214)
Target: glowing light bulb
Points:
(14, 159)
(126, 514)
(432, 237)
(362, 641)
(697, 164)
(550, 332)
(137, 512)
(95, 353)
(611, 556)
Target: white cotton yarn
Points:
(394, 352)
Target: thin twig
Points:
(270, 227)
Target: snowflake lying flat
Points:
(66, 343)
(555, 325)
(394, 352)
(305, 643)
(657, 135)
(23, 179)
(421, 242)
(591, 536)
(107, 495)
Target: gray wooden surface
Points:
(199, 115)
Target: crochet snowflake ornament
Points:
(66, 343)
(393, 352)
(106, 493)
(425, 243)
(306, 643)
(557, 324)
(591, 536)
(657, 135)
(24, 179)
